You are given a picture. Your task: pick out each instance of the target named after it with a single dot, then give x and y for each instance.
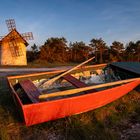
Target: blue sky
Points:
(77, 20)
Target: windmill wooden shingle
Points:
(13, 46)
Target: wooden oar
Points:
(74, 91)
(47, 83)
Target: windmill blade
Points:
(28, 36)
(11, 24)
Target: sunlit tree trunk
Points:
(101, 55)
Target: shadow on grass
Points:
(6, 101)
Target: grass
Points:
(105, 123)
(39, 64)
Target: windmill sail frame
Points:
(13, 40)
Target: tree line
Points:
(58, 50)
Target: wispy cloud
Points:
(75, 19)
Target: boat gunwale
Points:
(53, 71)
(55, 100)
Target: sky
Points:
(76, 20)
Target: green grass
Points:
(104, 123)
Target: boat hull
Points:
(36, 113)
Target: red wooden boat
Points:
(34, 111)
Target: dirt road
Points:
(17, 71)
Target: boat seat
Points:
(74, 81)
(31, 90)
(77, 83)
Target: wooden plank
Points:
(74, 91)
(31, 90)
(47, 83)
(74, 81)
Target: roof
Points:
(14, 30)
(133, 67)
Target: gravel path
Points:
(17, 71)
(33, 69)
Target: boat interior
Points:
(30, 86)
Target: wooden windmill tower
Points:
(13, 45)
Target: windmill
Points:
(14, 42)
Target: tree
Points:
(117, 46)
(99, 46)
(80, 51)
(117, 50)
(138, 50)
(33, 54)
(130, 51)
(54, 50)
